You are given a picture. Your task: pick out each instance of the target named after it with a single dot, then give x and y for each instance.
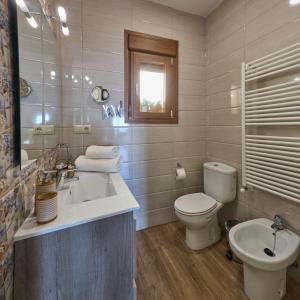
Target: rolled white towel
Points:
(102, 151)
(24, 155)
(111, 165)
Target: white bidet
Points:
(266, 254)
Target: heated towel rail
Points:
(272, 162)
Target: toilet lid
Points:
(197, 203)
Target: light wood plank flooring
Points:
(167, 269)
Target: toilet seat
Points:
(195, 204)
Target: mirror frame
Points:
(14, 58)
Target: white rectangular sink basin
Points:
(91, 187)
(93, 197)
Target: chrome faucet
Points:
(278, 223)
(62, 178)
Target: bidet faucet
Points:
(278, 223)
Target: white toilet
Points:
(199, 211)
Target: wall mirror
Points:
(40, 95)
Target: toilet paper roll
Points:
(180, 174)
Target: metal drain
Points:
(269, 252)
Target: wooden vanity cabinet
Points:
(92, 261)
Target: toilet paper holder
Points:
(180, 172)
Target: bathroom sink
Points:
(255, 244)
(90, 187)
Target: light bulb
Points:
(62, 14)
(22, 6)
(65, 30)
(32, 22)
(294, 2)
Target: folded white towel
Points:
(102, 151)
(98, 165)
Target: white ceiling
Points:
(197, 7)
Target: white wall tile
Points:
(96, 53)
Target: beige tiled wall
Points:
(94, 51)
(209, 94)
(241, 30)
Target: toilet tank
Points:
(220, 181)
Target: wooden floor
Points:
(167, 269)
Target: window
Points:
(152, 87)
(151, 79)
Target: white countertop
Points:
(72, 214)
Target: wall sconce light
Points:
(63, 20)
(30, 19)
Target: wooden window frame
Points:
(139, 47)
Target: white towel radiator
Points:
(272, 163)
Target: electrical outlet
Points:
(82, 129)
(44, 129)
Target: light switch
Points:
(44, 129)
(82, 129)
